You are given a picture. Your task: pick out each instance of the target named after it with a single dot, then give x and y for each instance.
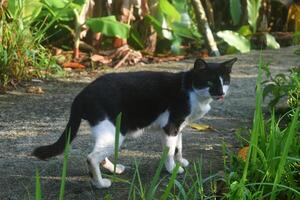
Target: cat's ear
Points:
(228, 64)
(200, 64)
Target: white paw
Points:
(180, 170)
(103, 183)
(184, 162)
(120, 169)
(171, 168)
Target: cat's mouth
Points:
(218, 98)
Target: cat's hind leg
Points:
(104, 136)
(107, 164)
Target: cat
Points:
(163, 100)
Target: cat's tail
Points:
(44, 152)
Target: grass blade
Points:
(171, 182)
(252, 153)
(38, 192)
(152, 188)
(283, 159)
(117, 136)
(64, 172)
(142, 192)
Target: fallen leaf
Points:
(73, 65)
(102, 59)
(243, 152)
(200, 127)
(34, 90)
(119, 42)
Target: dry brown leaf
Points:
(34, 90)
(73, 65)
(243, 152)
(102, 59)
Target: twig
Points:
(122, 60)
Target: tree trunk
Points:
(204, 28)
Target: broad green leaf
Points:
(58, 4)
(271, 42)
(29, 9)
(236, 40)
(253, 12)
(169, 10)
(245, 31)
(235, 11)
(63, 10)
(109, 26)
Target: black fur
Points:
(141, 97)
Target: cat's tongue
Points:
(220, 98)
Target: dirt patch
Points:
(29, 120)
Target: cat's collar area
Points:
(202, 95)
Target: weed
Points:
(21, 54)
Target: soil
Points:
(30, 120)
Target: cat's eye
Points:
(209, 83)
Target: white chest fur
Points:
(199, 104)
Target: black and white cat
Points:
(163, 100)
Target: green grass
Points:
(38, 191)
(267, 171)
(21, 54)
(117, 136)
(64, 171)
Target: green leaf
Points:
(169, 10)
(59, 9)
(253, 12)
(184, 30)
(271, 42)
(245, 31)
(29, 9)
(109, 26)
(155, 23)
(63, 10)
(235, 11)
(236, 40)
(180, 5)
(59, 4)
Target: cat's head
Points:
(212, 79)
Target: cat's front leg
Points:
(178, 152)
(170, 141)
